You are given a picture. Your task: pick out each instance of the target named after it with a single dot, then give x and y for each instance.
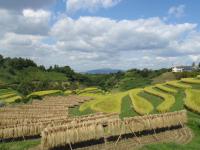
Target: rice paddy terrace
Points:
(161, 116)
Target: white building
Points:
(182, 68)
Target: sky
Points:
(94, 34)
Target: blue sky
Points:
(92, 34)
(134, 9)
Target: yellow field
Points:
(177, 84)
(140, 104)
(12, 99)
(192, 100)
(168, 102)
(191, 80)
(165, 88)
(44, 93)
(104, 103)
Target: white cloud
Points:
(29, 22)
(177, 11)
(97, 42)
(90, 5)
(107, 35)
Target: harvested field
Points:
(72, 134)
(30, 119)
(179, 136)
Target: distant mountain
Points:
(103, 71)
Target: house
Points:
(182, 69)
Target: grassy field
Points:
(19, 145)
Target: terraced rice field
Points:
(192, 99)
(9, 95)
(168, 100)
(93, 90)
(44, 93)
(191, 80)
(51, 118)
(164, 88)
(140, 104)
(178, 84)
(104, 103)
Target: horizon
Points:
(116, 34)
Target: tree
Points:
(199, 64)
(1, 60)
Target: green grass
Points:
(140, 104)
(155, 100)
(127, 108)
(20, 145)
(179, 103)
(133, 82)
(167, 76)
(76, 111)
